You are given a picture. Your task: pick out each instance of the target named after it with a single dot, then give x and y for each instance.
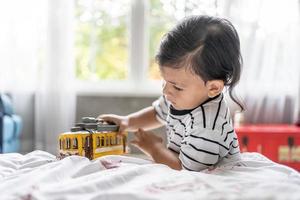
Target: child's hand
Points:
(121, 121)
(148, 142)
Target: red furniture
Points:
(280, 143)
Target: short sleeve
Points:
(161, 107)
(200, 149)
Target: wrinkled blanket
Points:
(39, 175)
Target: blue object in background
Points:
(10, 126)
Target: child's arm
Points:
(145, 118)
(165, 156)
(153, 145)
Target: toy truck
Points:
(92, 138)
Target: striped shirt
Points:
(203, 137)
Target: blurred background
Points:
(61, 60)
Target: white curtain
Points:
(55, 103)
(22, 33)
(270, 40)
(36, 57)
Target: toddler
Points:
(197, 59)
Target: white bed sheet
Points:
(38, 175)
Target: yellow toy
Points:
(92, 138)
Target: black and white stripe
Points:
(217, 114)
(203, 115)
(201, 136)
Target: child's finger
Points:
(134, 142)
(122, 130)
(141, 133)
(103, 116)
(137, 133)
(109, 118)
(141, 130)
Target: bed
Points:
(39, 175)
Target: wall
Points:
(96, 105)
(92, 106)
(86, 106)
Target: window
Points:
(112, 140)
(101, 39)
(75, 143)
(87, 141)
(97, 141)
(160, 23)
(116, 41)
(68, 143)
(107, 141)
(102, 141)
(164, 14)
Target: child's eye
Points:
(177, 88)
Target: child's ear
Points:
(214, 87)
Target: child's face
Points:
(183, 89)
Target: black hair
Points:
(209, 46)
